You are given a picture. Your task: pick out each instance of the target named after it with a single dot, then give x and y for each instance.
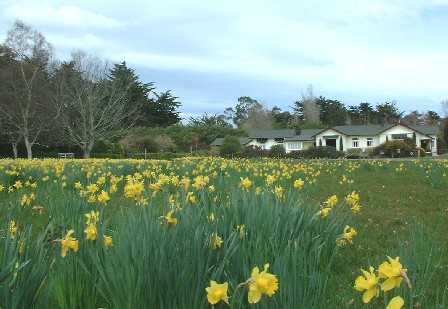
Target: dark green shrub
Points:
(322, 152)
(146, 143)
(295, 154)
(103, 155)
(230, 147)
(253, 152)
(357, 153)
(277, 151)
(396, 149)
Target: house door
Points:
(331, 142)
(426, 144)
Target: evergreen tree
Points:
(138, 93)
(162, 110)
(332, 112)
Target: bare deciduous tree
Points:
(311, 109)
(258, 117)
(91, 106)
(25, 111)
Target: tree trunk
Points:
(14, 150)
(28, 145)
(87, 149)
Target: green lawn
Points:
(155, 263)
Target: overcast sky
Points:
(212, 52)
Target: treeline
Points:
(71, 104)
(320, 112)
(85, 105)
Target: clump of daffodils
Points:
(12, 230)
(327, 206)
(392, 273)
(299, 184)
(216, 241)
(134, 189)
(169, 218)
(354, 201)
(92, 219)
(279, 192)
(27, 199)
(245, 183)
(260, 283)
(103, 197)
(69, 243)
(347, 236)
(332, 201)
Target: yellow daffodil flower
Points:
(261, 283)
(12, 229)
(299, 184)
(216, 241)
(170, 219)
(245, 183)
(107, 241)
(69, 243)
(90, 232)
(393, 272)
(368, 284)
(217, 292)
(396, 303)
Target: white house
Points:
(365, 137)
(362, 137)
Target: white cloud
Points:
(354, 48)
(87, 42)
(40, 14)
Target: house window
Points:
(262, 140)
(294, 146)
(369, 141)
(279, 140)
(355, 142)
(399, 136)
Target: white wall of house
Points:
(297, 145)
(269, 143)
(399, 129)
(289, 145)
(364, 143)
(345, 139)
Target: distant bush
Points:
(102, 155)
(133, 143)
(295, 154)
(277, 151)
(396, 149)
(253, 152)
(157, 155)
(357, 153)
(322, 152)
(230, 147)
(165, 143)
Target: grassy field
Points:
(153, 234)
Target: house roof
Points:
(373, 129)
(425, 129)
(308, 134)
(220, 140)
(305, 135)
(283, 133)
